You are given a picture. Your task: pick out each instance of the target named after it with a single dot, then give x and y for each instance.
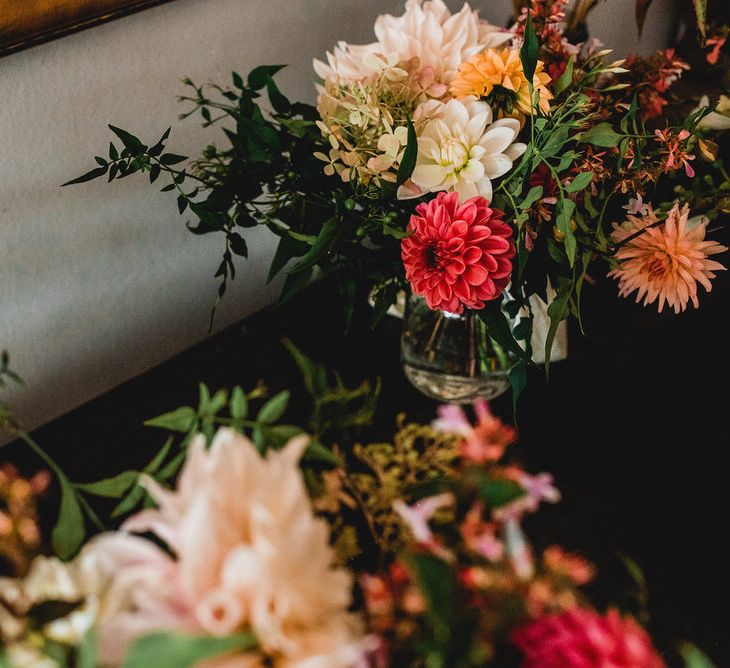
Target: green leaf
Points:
(278, 101)
(330, 230)
(294, 284)
(171, 650)
(181, 419)
(518, 381)
(533, 194)
(69, 532)
(88, 651)
(566, 78)
(238, 244)
(159, 457)
(558, 311)
(438, 585)
(129, 502)
(239, 404)
(580, 182)
(287, 249)
(131, 143)
(497, 493)
(237, 79)
(172, 159)
(701, 14)
(259, 76)
(110, 488)
(410, 156)
(530, 49)
(384, 298)
(318, 452)
(564, 216)
(89, 176)
(694, 657)
(498, 327)
(601, 135)
(274, 408)
(313, 375)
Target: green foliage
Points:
(171, 650)
(530, 50)
(694, 657)
(336, 408)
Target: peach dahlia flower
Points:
(665, 262)
(248, 555)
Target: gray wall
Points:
(99, 283)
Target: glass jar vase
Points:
(451, 357)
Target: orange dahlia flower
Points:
(667, 261)
(497, 76)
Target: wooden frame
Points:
(25, 23)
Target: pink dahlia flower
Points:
(667, 261)
(458, 254)
(585, 639)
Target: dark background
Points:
(634, 426)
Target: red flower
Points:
(457, 254)
(585, 639)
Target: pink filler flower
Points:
(584, 639)
(458, 254)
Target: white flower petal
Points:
(495, 165)
(430, 177)
(496, 140)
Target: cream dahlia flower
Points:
(667, 261)
(460, 149)
(428, 31)
(248, 555)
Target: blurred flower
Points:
(497, 76)
(416, 518)
(571, 565)
(460, 149)
(19, 532)
(457, 254)
(584, 639)
(480, 536)
(716, 43)
(484, 442)
(232, 524)
(665, 262)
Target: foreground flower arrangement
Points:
(272, 548)
(529, 122)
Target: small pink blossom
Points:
(416, 518)
(480, 536)
(484, 442)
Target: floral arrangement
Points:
(533, 158)
(247, 542)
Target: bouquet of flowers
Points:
(255, 544)
(461, 161)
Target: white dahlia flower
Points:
(428, 31)
(460, 149)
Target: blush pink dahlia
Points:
(665, 262)
(585, 639)
(458, 254)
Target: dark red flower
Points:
(585, 639)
